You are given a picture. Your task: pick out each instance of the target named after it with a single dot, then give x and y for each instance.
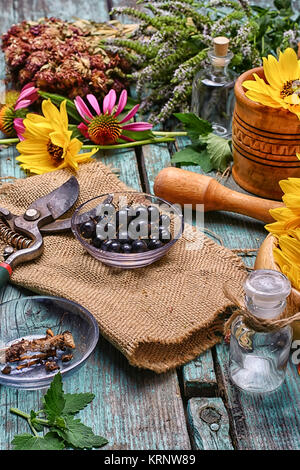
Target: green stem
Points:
(129, 144)
(42, 421)
(32, 428)
(169, 134)
(9, 141)
(20, 413)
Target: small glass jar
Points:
(258, 360)
(213, 89)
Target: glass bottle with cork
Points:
(213, 89)
(258, 359)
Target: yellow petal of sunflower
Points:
(75, 146)
(288, 268)
(50, 112)
(263, 93)
(272, 72)
(64, 114)
(288, 65)
(265, 100)
(38, 131)
(290, 248)
(290, 185)
(30, 147)
(61, 139)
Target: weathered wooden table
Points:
(138, 409)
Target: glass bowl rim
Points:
(50, 376)
(127, 256)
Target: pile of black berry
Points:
(127, 230)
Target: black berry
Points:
(139, 246)
(87, 229)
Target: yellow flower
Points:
(282, 89)
(287, 231)
(286, 256)
(47, 144)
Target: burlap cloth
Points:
(159, 317)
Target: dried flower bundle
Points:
(64, 57)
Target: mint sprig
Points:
(57, 414)
(208, 150)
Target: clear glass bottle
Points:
(213, 89)
(258, 360)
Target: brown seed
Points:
(51, 365)
(66, 357)
(6, 370)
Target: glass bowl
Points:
(93, 210)
(29, 318)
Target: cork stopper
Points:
(221, 45)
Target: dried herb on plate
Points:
(57, 414)
(46, 347)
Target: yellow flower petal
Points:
(272, 71)
(288, 65)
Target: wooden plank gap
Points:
(142, 170)
(109, 4)
(240, 422)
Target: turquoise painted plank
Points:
(95, 10)
(209, 424)
(125, 164)
(154, 158)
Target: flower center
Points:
(55, 152)
(104, 130)
(7, 116)
(290, 87)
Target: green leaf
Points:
(195, 155)
(29, 442)
(194, 125)
(80, 436)
(75, 402)
(219, 151)
(138, 135)
(54, 401)
(58, 99)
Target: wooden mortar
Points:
(265, 141)
(265, 260)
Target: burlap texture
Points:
(160, 316)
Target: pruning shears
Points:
(24, 233)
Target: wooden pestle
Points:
(186, 187)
